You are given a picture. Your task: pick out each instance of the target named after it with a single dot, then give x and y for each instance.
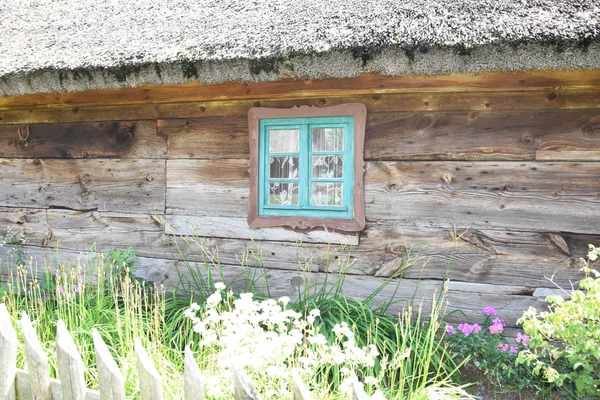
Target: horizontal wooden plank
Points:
(456, 135)
(366, 83)
(550, 197)
(212, 137)
(515, 258)
(237, 228)
(208, 187)
(528, 196)
(136, 186)
(470, 298)
(482, 135)
(409, 102)
(567, 155)
(23, 386)
(137, 139)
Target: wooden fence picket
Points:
(37, 362)
(149, 378)
(193, 379)
(299, 389)
(8, 355)
(110, 379)
(242, 385)
(358, 392)
(69, 364)
(36, 383)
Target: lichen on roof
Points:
(51, 45)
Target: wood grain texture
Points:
(208, 187)
(136, 139)
(528, 196)
(135, 186)
(237, 228)
(286, 88)
(567, 155)
(407, 102)
(550, 197)
(8, 355)
(208, 138)
(150, 381)
(70, 365)
(481, 135)
(111, 384)
(37, 361)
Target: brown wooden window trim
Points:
(355, 224)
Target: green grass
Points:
(103, 294)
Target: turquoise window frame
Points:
(305, 154)
(348, 218)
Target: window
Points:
(306, 167)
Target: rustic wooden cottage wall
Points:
(496, 174)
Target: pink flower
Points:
(502, 347)
(466, 329)
(522, 338)
(513, 349)
(476, 328)
(496, 328)
(498, 321)
(491, 311)
(450, 330)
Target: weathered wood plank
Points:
(481, 255)
(508, 195)
(567, 155)
(193, 379)
(286, 88)
(136, 186)
(8, 355)
(237, 228)
(137, 139)
(37, 361)
(481, 135)
(150, 382)
(208, 187)
(80, 230)
(530, 196)
(24, 391)
(410, 102)
(212, 137)
(242, 385)
(110, 380)
(299, 388)
(69, 365)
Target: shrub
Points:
(565, 341)
(487, 348)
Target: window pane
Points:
(328, 166)
(283, 167)
(283, 193)
(284, 141)
(328, 139)
(327, 194)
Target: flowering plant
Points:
(268, 340)
(487, 347)
(565, 341)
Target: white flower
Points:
(220, 286)
(284, 300)
(371, 380)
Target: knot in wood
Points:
(149, 178)
(84, 179)
(448, 178)
(126, 133)
(296, 281)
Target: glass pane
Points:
(328, 139)
(283, 167)
(327, 194)
(328, 166)
(284, 141)
(283, 193)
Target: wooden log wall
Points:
(494, 178)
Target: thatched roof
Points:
(63, 45)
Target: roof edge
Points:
(333, 64)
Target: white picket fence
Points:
(36, 383)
